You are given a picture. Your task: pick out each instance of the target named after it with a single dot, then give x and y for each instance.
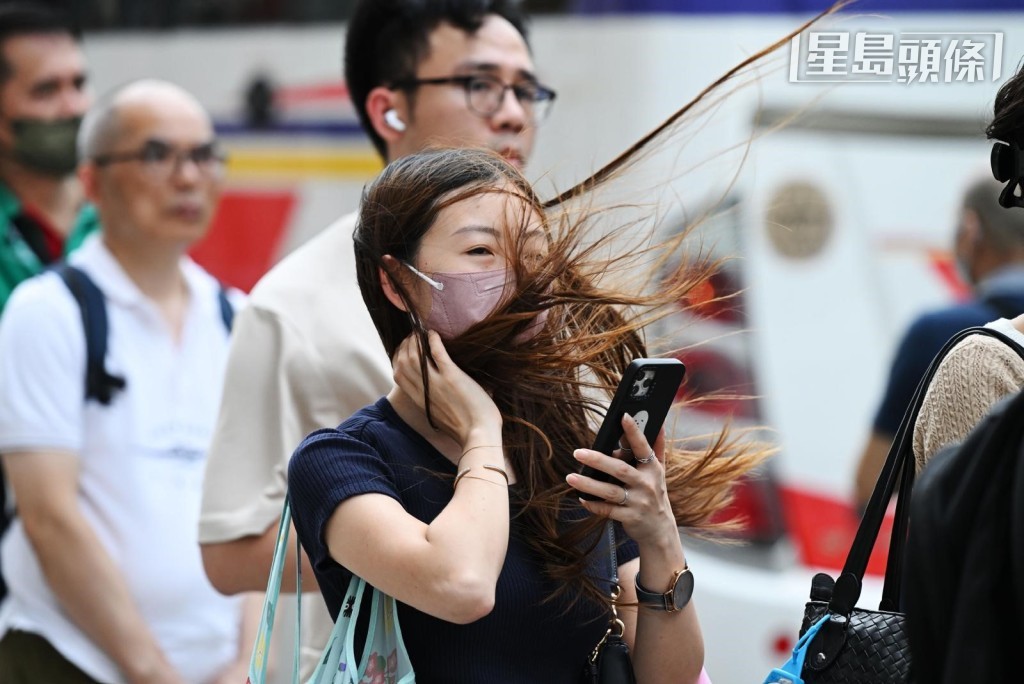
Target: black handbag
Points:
(610, 663)
(857, 645)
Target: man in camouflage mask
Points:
(42, 101)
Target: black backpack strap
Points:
(227, 312)
(99, 384)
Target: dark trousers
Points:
(27, 658)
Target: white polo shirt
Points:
(141, 458)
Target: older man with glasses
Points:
(106, 583)
(305, 354)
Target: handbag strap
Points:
(613, 554)
(297, 655)
(335, 649)
(893, 585)
(615, 624)
(899, 461)
(258, 660)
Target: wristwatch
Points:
(677, 596)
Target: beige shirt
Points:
(304, 355)
(975, 374)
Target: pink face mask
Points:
(460, 300)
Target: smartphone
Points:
(646, 392)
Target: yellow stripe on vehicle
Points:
(302, 164)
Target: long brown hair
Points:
(601, 286)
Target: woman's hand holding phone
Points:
(630, 492)
(623, 476)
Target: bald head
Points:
(104, 125)
(152, 166)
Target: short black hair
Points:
(23, 19)
(1008, 111)
(387, 39)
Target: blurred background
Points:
(841, 222)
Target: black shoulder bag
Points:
(857, 645)
(610, 662)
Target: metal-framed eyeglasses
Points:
(485, 93)
(162, 161)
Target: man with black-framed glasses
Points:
(487, 97)
(305, 354)
(445, 78)
(485, 93)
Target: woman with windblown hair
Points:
(458, 493)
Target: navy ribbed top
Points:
(523, 640)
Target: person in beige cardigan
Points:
(975, 374)
(981, 370)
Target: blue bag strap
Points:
(99, 384)
(790, 671)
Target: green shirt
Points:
(17, 260)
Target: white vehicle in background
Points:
(806, 329)
(840, 223)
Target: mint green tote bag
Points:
(384, 659)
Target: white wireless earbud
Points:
(392, 120)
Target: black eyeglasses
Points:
(485, 93)
(162, 160)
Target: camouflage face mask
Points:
(48, 147)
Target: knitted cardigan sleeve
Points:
(976, 374)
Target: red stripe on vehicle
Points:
(245, 236)
(287, 96)
(822, 529)
(944, 265)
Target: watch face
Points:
(682, 591)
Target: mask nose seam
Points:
(484, 287)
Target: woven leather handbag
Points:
(857, 645)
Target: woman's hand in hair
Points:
(645, 512)
(459, 406)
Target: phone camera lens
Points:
(642, 385)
